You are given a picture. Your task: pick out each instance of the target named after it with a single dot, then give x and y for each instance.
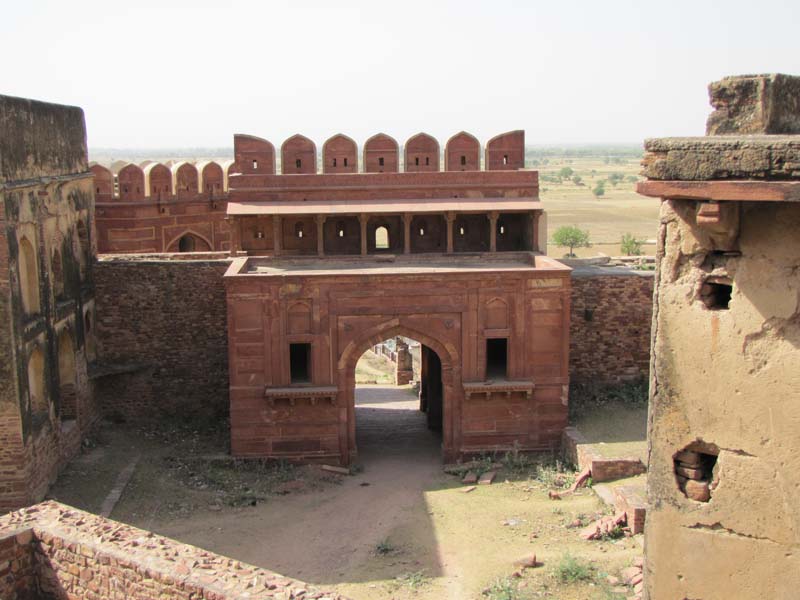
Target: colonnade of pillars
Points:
(450, 218)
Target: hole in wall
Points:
(300, 363)
(496, 358)
(380, 161)
(695, 470)
(715, 292)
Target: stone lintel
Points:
(722, 190)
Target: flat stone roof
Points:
(392, 265)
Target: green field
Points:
(620, 210)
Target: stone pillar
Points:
(450, 217)
(363, 219)
(493, 216)
(407, 233)
(405, 367)
(277, 236)
(235, 225)
(321, 235)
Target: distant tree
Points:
(565, 172)
(630, 245)
(570, 236)
(577, 180)
(615, 178)
(631, 179)
(599, 189)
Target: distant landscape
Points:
(589, 186)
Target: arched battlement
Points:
(131, 184)
(157, 181)
(381, 154)
(506, 151)
(184, 180)
(211, 181)
(339, 155)
(421, 153)
(253, 155)
(103, 182)
(228, 168)
(462, 153)
(298, 156)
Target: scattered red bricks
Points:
(604, 526)
(470, 478)
(487, 478)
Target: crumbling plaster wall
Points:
(729, 378)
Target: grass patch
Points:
(586, 397)
(414, 580)
(571, 569)
(384, 547)
(505, 588)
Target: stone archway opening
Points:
(398, 401)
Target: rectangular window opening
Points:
(300, 363)
(496, 358)
(380, 161)
(255, 165)
(505, 159)
(427, 160)
(334, 162)
(298, 163)
(416, 160)
(345, 162)
(463, 160)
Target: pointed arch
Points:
(506, 151)
(131, 183)
(184, 180)
(200, 243)
(157, 181)
(253, 155)
(29, 277)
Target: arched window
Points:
(422, 228)
(298, 230)
(382, 238)
(28, 277)
(340, 229)
(36, 393)
(186, 243)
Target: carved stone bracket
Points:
(486, 388)
(312, 395)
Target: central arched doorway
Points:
(398, 407)
(430, 402)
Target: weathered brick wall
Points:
(17, 569)
(610, 325)
(55, 551)
(167, 321)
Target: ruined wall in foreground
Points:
(610, 325)
(162, 337)
(56, 551)
(724, 422)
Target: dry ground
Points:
(399, 528)
(621, 210)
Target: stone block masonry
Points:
(54, 551)
(162, 337)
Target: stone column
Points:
(277, 236)
(363, 221)
(236, 234)
(320, 235)
(541, 232)
(450, 217)
(493, 216)
(407, 233)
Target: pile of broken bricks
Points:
(632, 577)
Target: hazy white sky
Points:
(191, 73)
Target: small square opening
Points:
(496, 358)
(716, 294)
(300, 363)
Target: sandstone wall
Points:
(724, 384)
(610, 326)
(163, 323)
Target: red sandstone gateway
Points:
(327, 265)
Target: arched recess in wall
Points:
(39, 406)
(299, 317)
(189, 241)
(28, 277)
(67, 375)
(496, 314)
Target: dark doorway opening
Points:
(431, 400)
(496, 358)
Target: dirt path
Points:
(326, 537)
